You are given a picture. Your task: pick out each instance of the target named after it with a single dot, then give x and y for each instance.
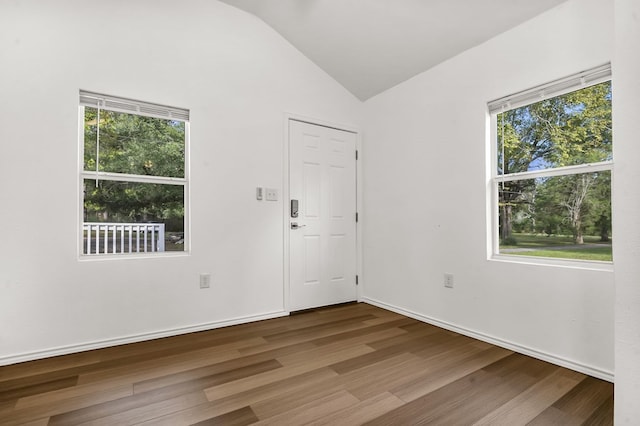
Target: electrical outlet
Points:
(205, 280)
(448, 280)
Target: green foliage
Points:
(592, 253)
(135, 145)
(558, 246)
(526, 240)
(509, 241)
(113, 201)
(562, 131)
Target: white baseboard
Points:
(99, 344)
(563, 362)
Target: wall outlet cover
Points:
(205, 280)
(448, 280)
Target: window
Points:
(552, 169)
(134, 177)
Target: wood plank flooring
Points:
(343, 365)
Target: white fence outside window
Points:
(106, 238)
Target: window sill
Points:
(554, 262)
(131, 256)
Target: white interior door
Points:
(322, 238)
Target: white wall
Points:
(236, 75)
(425, 191)
(626, 127)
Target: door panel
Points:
(322, 249)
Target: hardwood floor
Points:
(345, 365)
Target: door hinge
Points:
(357, 217)
(356, 280)
(356, 154)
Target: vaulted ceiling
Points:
(371, 45)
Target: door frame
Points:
(285, 200)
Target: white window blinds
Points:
(118, 104)
(555, 88)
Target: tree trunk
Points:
(578, 238)
(603, 225)
(507, 225)
(575, 205)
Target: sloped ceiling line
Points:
(369, 46)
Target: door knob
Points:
(294, 225)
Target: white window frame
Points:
(130, 106)
(553, 89)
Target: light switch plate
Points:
(271, 194)
(259, 193)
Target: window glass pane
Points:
(565, 130)
(159, 206)
(563, 216)
(133, 144)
